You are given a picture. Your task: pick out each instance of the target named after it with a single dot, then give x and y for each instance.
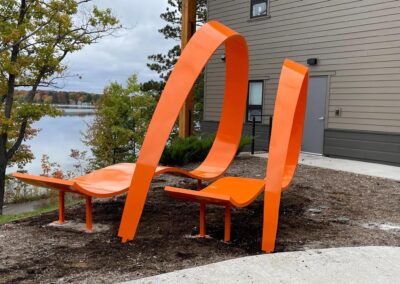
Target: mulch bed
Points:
(323, 208)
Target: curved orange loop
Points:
(190, 64)
(285, 143)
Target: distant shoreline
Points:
(64, 106)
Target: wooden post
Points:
(188, 29)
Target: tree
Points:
(121, 119)
(35, 38)
(163, 63)
(152, 87)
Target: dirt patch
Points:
(323, 208)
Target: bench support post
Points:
(199, 184)
(227, 233)
(89, 208)
(202, 219)
(61, 207)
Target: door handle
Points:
(321, 118)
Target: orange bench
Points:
(111, 181)
(284, 151)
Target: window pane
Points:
(255, 93)
(259, 9)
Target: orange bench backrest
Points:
(284, 150)
(288, 124)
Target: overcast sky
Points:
(116, 58)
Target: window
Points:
(259, 8)
(255, 101)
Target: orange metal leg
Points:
(61, 207)
(199, 184)
(202, 219)
(89, 208)
(271, 218)
(227, 234)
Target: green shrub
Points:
(191, 150)
(246, 140)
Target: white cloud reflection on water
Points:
(56, 139)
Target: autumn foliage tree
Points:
(122, 116)
(35, 38)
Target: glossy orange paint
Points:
(47, 182)
(190, 64)
(89, 217)
(202, 219)
(285, 144)
(61, 207)
(227, 231)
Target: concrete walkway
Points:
(357, 167)
(337, 265)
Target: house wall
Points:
(357, 44)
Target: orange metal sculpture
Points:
(191, 62)
(284, 152)
(117, 179)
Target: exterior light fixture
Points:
(312, 61)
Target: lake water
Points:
(56, 139)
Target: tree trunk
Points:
(3, 167)
(2, 185)
(8, 103)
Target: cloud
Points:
(116, 58)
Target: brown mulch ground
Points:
(323, 208)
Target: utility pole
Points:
(188, 29)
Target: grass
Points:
(45, 209)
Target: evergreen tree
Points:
(152, 87)
(163, 63)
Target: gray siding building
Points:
(353, 51)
